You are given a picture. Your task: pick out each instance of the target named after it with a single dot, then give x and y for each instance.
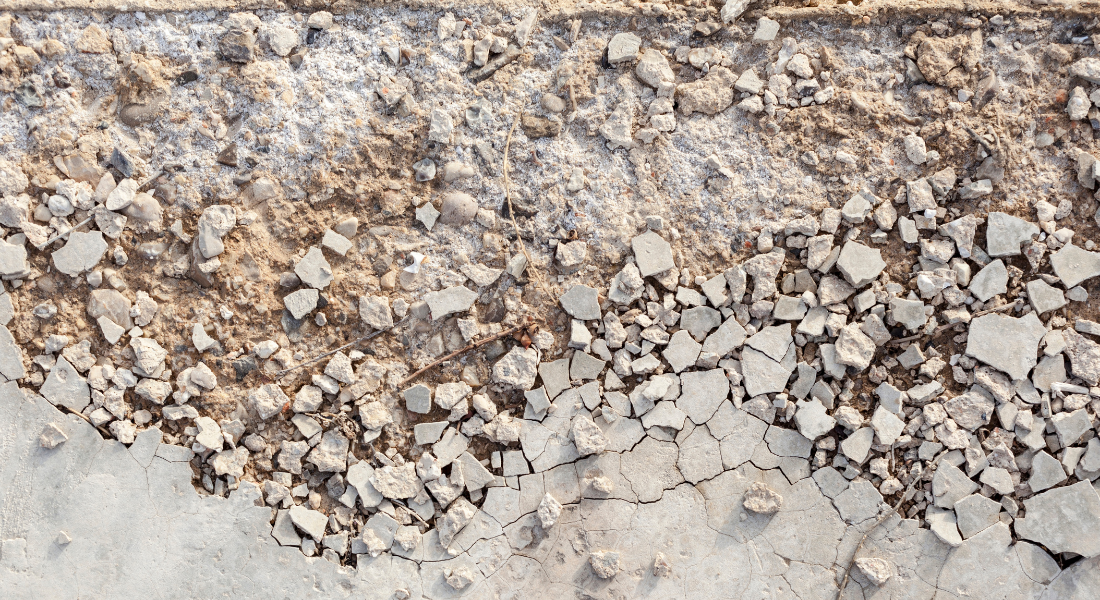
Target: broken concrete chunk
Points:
(81, 253)
(1074, 265)
(859, 264)
(761, 499)
(375, 311)
(605, 563)
(581, 302)
(301, 302)
(314, 270)
(1063, 519)
(1006, 343)
(990, 281)
(1005, 233)
(450, 301)
(652, 253)
(518, 368)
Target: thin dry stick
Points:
(369, 336)
(942, 328)
(66, 232)
(906, 496)
(512, 212)
(465, 348)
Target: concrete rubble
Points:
(749, 310)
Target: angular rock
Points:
(859, 264)
(1064, 520)
(1004, 234)
(1006, 343)
(450, 301)
(652, 253)
(81, 253)
(1074, 265)
(581, 302)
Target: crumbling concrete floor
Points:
(92, 518)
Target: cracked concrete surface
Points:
(92, 518)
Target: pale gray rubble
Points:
(546, 356)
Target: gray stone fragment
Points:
(588, 438)
(81, 253)
(857, 208)
(773, 341)
(1084, 356)
(313, 269)
(585, 367)
(428, 433)
(812, 420)
(1006, 343)
(859, 264)
(581, 302)
(975, 513)
(1046, 472)
(268, 400)
(11, 357)
(908, 313)
(450, 301)
(664, 414)
(312, 522)
(761, 499)
(301, 302)
(990, 281)
(877, 570)
(652, 254)
(857, 445)
(1004, 234)
(64, 386)
(942, 523)
(1063, 520)
(375, 311)
(860, 502)
(518, 368)
(762, 374)
(700, 321)
(606, 564)
(764, 268)
(728, 337)
(1075, 265)
(682, 351)
(623, 47)
(854, 348)
(949, 485)
(962, 230)
(1087, 68)
(919, 195)
(653, 69)
(701, 393)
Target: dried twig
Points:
(512, 212)
(466, 348)
(943, 328)
(65, 233)
(369, 336)
(908, 495)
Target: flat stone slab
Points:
(859, 264)
(581, 302)
(1006, 343)
(450, 301)
(81, 253)
(1074, 265)
(652, 253)
(990, 281)
(314, 270)
(1004, 233)
(1064, 519)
